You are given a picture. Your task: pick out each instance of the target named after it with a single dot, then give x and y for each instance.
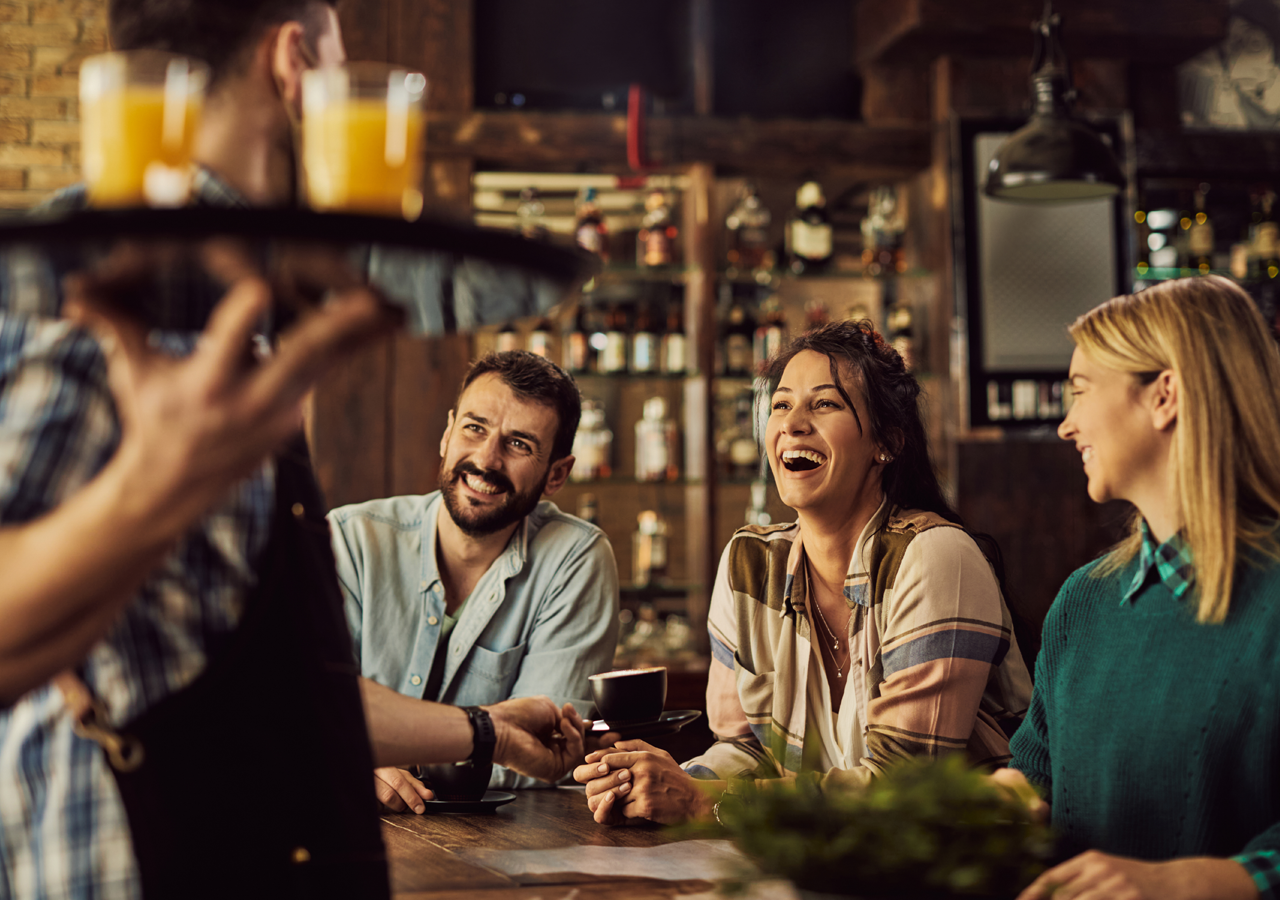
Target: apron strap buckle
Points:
(124, 752)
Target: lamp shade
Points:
(1053, 158)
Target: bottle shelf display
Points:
(667, 461)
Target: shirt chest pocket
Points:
(755, 691)
(497, 667)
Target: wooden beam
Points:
(599, 139)
(921, 30)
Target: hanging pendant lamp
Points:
(1054, 157)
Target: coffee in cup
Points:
(456, 781)
(631, 696)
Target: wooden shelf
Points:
(528, 140)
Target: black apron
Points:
(257, 779)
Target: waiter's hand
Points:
(535, 738)
(194, 426)
(398, 789)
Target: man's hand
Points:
(398, 790)
(536, 739)
(1100, 876)
(635, 780)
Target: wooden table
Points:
(426, 853)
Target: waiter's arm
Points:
(191, 428)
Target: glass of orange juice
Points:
(138, 116)
(362, 131)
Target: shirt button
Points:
(299, 511)
(415, 680)
(432, 620)
(422, 585)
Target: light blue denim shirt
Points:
(539, 621)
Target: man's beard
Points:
(476, 523)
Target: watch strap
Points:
(483, 736)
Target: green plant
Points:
(925, 828)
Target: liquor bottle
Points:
(900, 328)
(649, 552)
(657, 442)
(739, 334)
(757, 511)
(540, 338)
(589, 509)
(1267, 241)
(816, 314)
(576, 343)
(747, 230)
(589, 229)
(737, 452)
(530, 214)
(674, 345)
(656, 239)
(809, 239)
(508, 338)
(613, 358)
(770, 333)
(592, 445)
(644, 341)
(1142, 248)
(1200, 235)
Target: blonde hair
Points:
(1226, 443)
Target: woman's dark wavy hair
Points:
(893, 406)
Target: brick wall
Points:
(41, 45)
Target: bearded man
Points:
(482, 591)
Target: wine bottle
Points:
(809, 237)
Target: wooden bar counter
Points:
(451, 857)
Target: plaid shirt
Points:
(933, 665)
(63, 830)
(1172, 564)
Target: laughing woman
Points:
(1154, 731)
(870, 630)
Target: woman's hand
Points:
(1013, 781)
(1100, 876)
(634, 780)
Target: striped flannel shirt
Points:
(63, 831)
(934, 665)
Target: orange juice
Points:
(360, 155)
(124, 133)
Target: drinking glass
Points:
(362, 126)
(138, 116)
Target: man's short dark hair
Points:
(533, 378)
(221, 32)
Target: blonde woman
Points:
(1154, 729)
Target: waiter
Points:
(180, 714)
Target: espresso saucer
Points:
(669, 722)
(486, 804)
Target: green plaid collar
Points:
(1170, 560)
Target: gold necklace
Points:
(835, 641)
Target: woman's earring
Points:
(884, 458)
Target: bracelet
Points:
(483, 736)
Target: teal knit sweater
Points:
(1154, 736)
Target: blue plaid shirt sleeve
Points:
(1263, 867)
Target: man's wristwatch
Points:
(483, 736)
